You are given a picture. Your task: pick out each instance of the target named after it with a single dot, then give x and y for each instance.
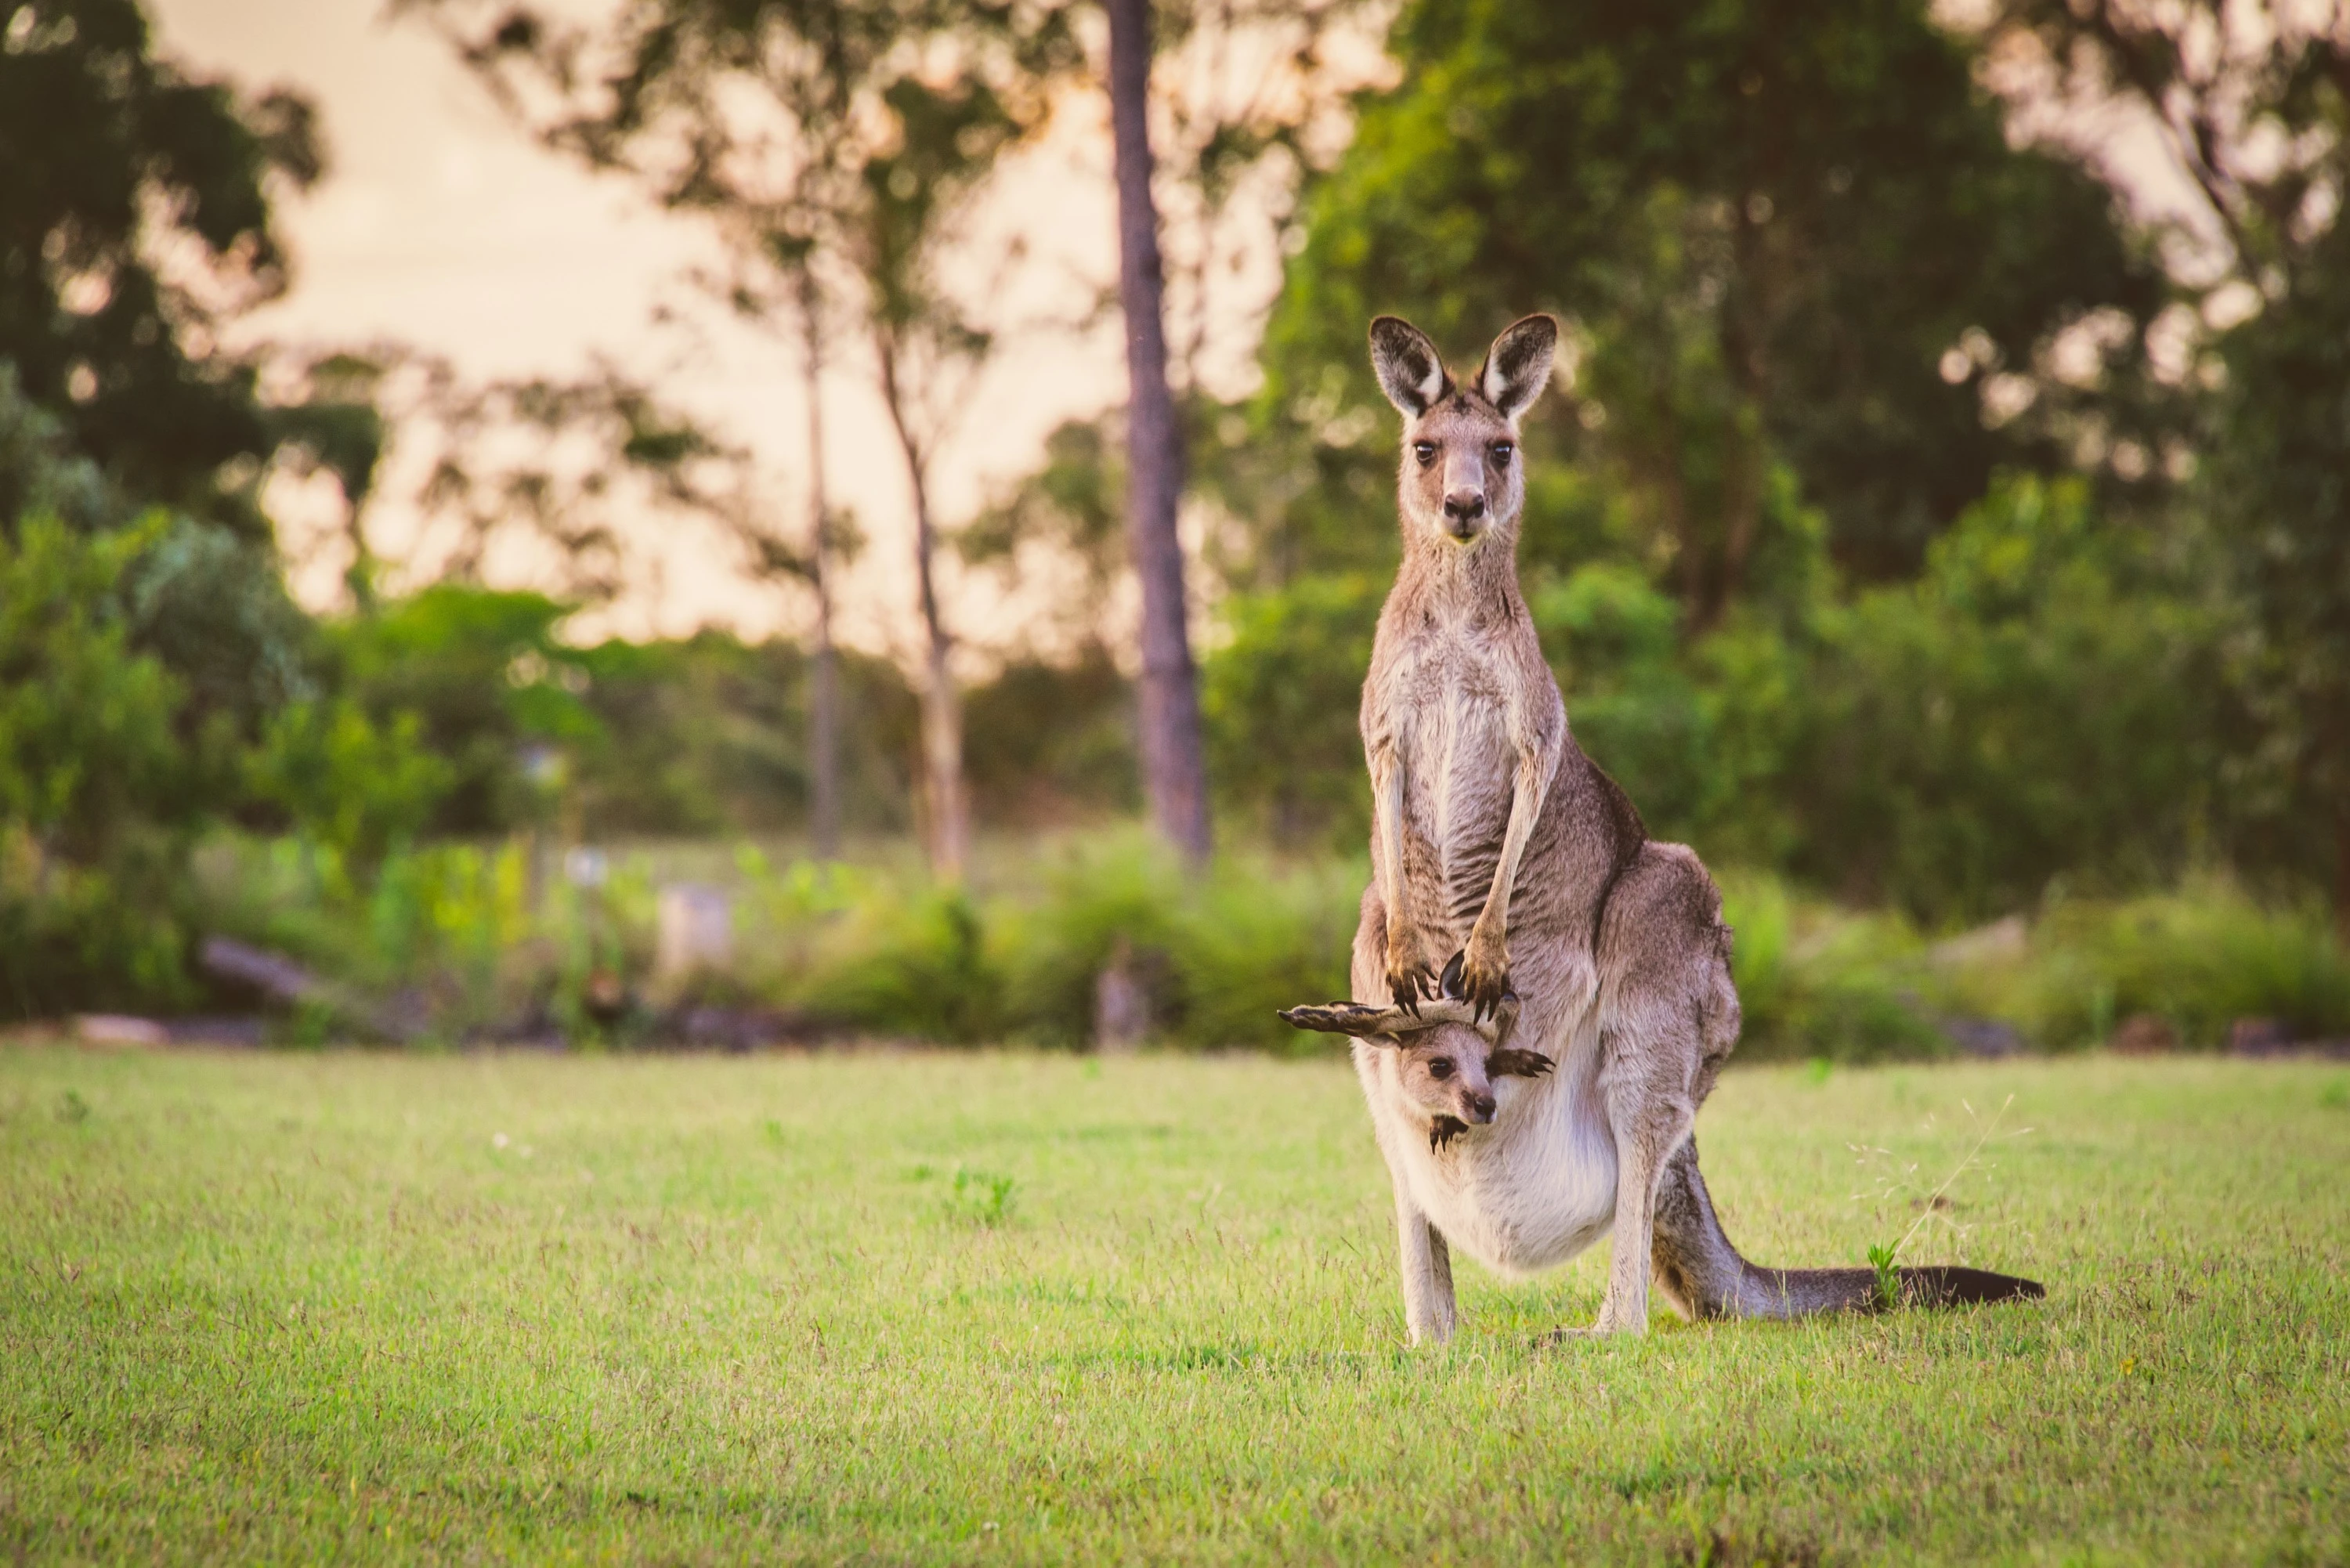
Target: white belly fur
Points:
(1528, 1193)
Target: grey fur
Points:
(1519, 912)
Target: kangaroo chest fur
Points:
(1528, 1193)
(1452, 730)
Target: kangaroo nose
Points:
(1481, 1109)
(1465, 506)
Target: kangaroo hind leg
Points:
(1646, 1091)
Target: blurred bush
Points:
(2044, 701)
(100, 792)
(2199, 959)
(455, 934)
(1817, 981)
(1279, 697)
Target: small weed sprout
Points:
(1884, 1259)
(2335, 1096)
(1888, 1277)
(980, 1198)
(72, 1109)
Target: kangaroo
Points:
(1542, 992)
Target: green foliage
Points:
(1217, 956)
(115, 158)
(2199, 959)
(485, 940)
(347, 782)
(2280, 482)
(1766, 232)
(1822, 984)
(710, 734)
(980, 1198)
(86, 721)
(1051, 742)
(484, 675)
(1279, 697)
(1615, 643)
(2042, 702)
(212, 607)
(1888, 1277)
(916, 965)
(99, 792)
(40, 474)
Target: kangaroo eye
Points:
(1501, 450)
(1440, 1068)
(1425, 451)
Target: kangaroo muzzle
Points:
(1464, 513)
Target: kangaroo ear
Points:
(1517, 366)
(1354, 1018)
(1410, 371)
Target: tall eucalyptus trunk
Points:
(947, 815)
(824, 717)
(1174, 764)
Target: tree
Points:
(1218, 109)
(111, 158)
(1781, 233)
(815, 133)
(2279, 478)
(135, 220)
(1174, 765)
(538, 472)
(824, 704)
(99, 795)
(928, 352)
(2253, 103)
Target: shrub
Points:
(2199, 959)
(99, 792)
(1279, 700)
(1816, 981)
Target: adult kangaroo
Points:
(1542, 992)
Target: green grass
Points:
(948, 1308)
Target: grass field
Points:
(959, 1307)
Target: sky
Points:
(442, 226)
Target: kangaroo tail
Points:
(1703, 1276)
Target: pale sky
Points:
(441, 226)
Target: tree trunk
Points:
(2342, 873)
(942, 718)
(1744, 472)
(1174, 765)
(1746, 320)
(824, 723)
(947, 817)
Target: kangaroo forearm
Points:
(1387, 779)
(1525, 805)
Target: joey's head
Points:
(1461, 480)
(1444, 1073)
